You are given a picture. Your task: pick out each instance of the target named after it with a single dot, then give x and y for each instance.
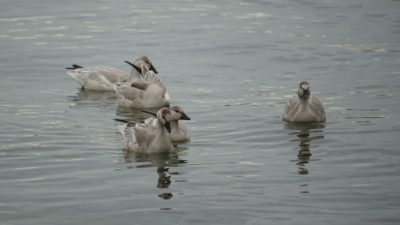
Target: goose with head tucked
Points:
(147, 92)
(140, 67)
(148, 139)
(179, 133)
(103, 78)
(303, 107)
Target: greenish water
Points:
(231, 65)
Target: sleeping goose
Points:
(179, 133)
(148, 139)
(148, 92)
(104, 78)
(303, 107)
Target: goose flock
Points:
(142, 88)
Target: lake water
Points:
(231, 65)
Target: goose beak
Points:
(153, 69)
(185, 117)
(134, 66)
(306, 94)
(168, 127)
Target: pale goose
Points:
(179, 133)
(104, 78)
(148, 92)
(148, 139)
(303, 107)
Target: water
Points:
(231, 65)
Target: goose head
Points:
(304, 90)
(164, 116)
(178, 113)
(143, 65)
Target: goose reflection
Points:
(93, 99)
(162, 163)
(304, 133)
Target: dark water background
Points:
(231, 65)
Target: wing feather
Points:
(128, 133)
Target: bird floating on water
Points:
(103, 78)
(147, 92)
(149, 139)
(303, 107)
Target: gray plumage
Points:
(104, 78)
(303, 107)
(149, 139)
(179, 133)
(149, 92)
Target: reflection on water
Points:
(107, 99)
(84, 94)
(231, 66)
(93, 98)
(163, 179)
(305, 133)
(162, 163)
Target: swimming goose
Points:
(143, 81)
(303, 107)
(148, 139)
(179, 133)
(148, 92)
(104, 78)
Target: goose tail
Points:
(74, 66)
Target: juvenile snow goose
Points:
(103, 78)
(303, 107)
(149, 92)
(148, 139)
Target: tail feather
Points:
(121, 120)
(128, 123)
(74, 66)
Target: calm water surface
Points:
(231, 65)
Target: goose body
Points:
(148, 92)
(102, 78)
(97, 78)
(149, 139)
(303, 107)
